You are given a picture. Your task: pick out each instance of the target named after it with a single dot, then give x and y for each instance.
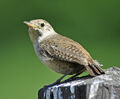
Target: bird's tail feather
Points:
(95, 69)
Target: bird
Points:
(59, 53)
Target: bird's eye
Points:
(42, 24)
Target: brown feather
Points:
(66, 49)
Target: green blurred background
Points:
(94, 24)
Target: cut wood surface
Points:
(105, 86)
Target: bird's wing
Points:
(66, 49)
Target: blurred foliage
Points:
(94, 24)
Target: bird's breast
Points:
(39, 51)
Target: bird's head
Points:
(39, 29)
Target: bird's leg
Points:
(71, 78)
(57, 82)
(74, 76)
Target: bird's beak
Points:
(30, 24)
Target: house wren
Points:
(59, 53)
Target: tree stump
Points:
(105, 86)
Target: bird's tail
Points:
(95, 69)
